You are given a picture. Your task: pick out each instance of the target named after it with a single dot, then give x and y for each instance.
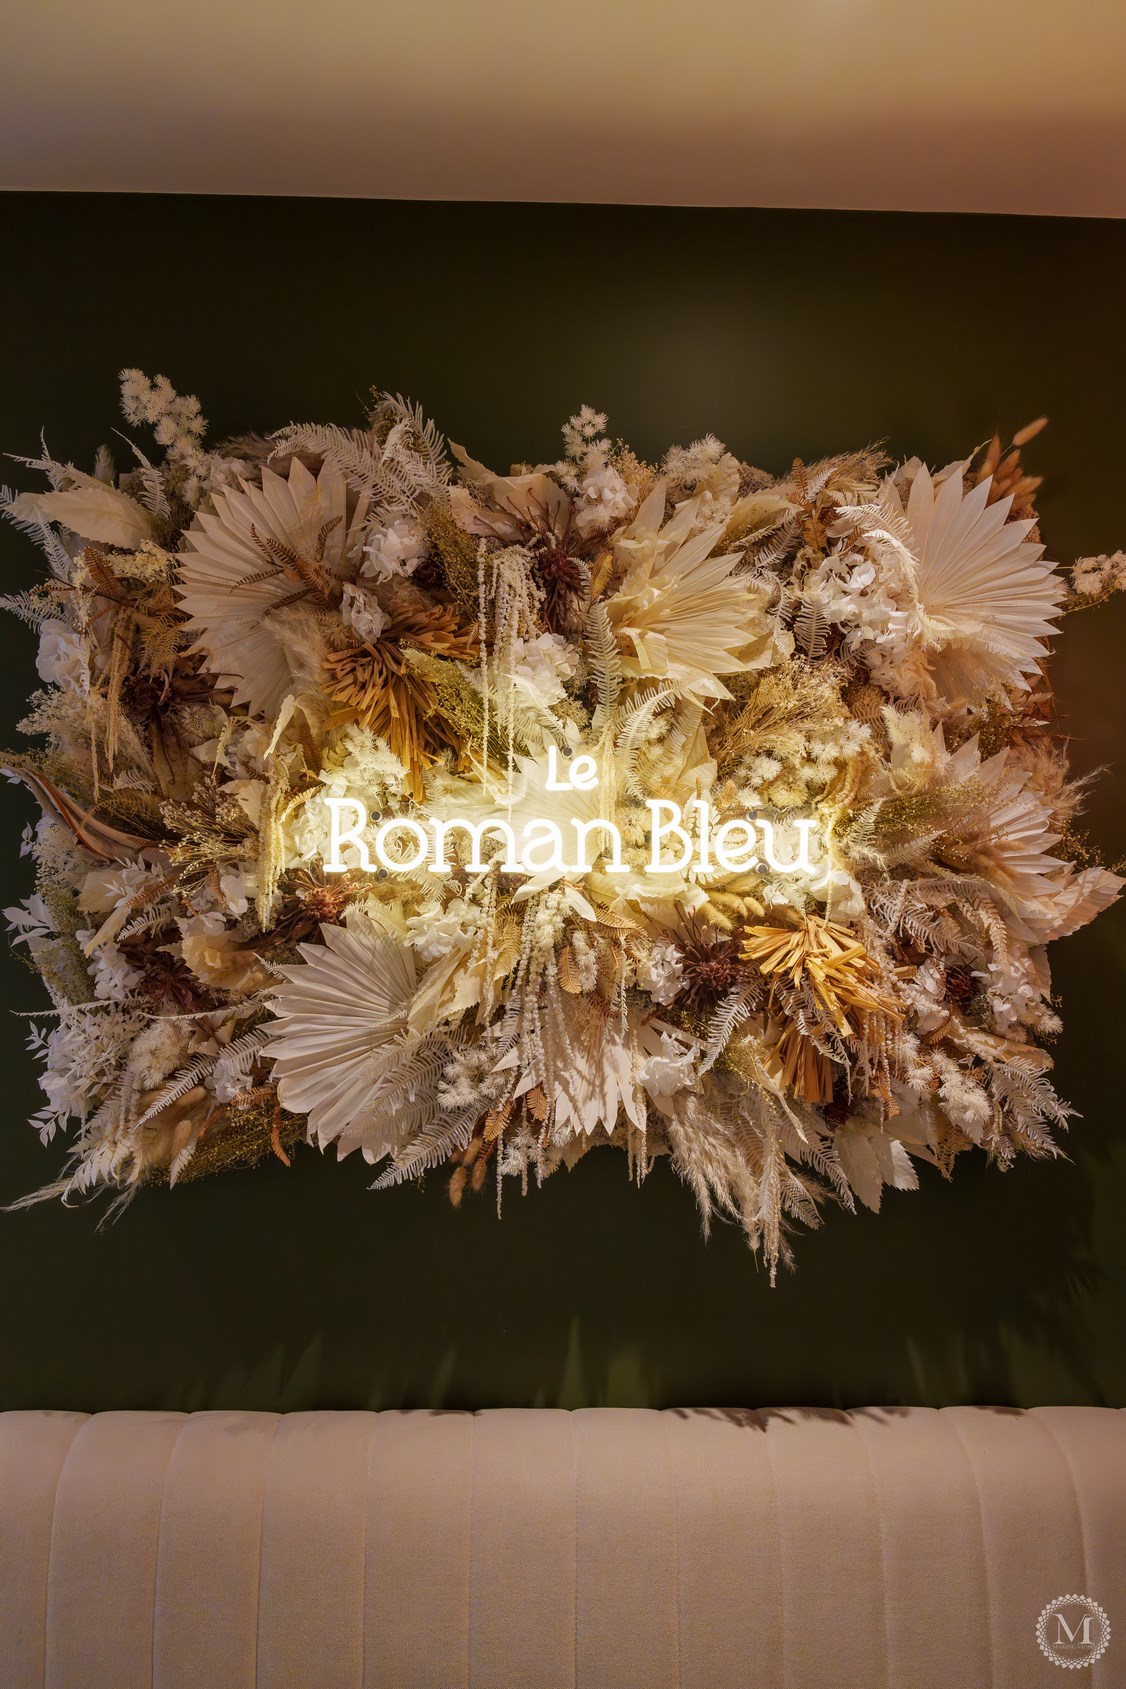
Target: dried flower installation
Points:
(482, 820)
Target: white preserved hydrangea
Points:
(1016, 989)
(61, 659)
(394, 550)
(435, 931)
(661, 972)
(837, 890)
(670, 1069)
(604, 499)
(236, 888)
(362, 612)
(926, 993)
(114, 979)
(540, 668)
(870, 604)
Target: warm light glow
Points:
(679, 842)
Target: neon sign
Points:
(738, 845)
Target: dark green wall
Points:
(784, 333)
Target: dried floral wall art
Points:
(475, 821)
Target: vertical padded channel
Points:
(1031, 1529)
(1092, 1442)
(730, 1570)
(628, 1594)
(311, 1589)
(832, 1571)
(101, 1589)
(205, 1628)
(417, 1598)
(522, 1550)
(936, 1592)
(33, 1448)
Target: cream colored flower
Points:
(681, 611)
(987, 597)
(259, 551)
(394, 551)
(1045, 896)
(342, 1048)
(214, 955)
(62, 659)
(604, 499)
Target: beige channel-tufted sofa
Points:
(603, 1549)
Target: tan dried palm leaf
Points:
(256, 552)
(96, 836)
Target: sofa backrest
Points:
(540, 1549)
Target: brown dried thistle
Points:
(160, 706)
(711, 964)
(311, 901)
(561, 578)
(167, 983)
(961, 985)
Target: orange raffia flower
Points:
(374, 684)
(820, 978)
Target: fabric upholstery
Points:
(539, 1549)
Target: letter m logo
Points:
(1081, 1633)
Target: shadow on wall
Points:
(292, 1289)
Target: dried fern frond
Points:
(605, 663)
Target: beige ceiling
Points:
(999, 105)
